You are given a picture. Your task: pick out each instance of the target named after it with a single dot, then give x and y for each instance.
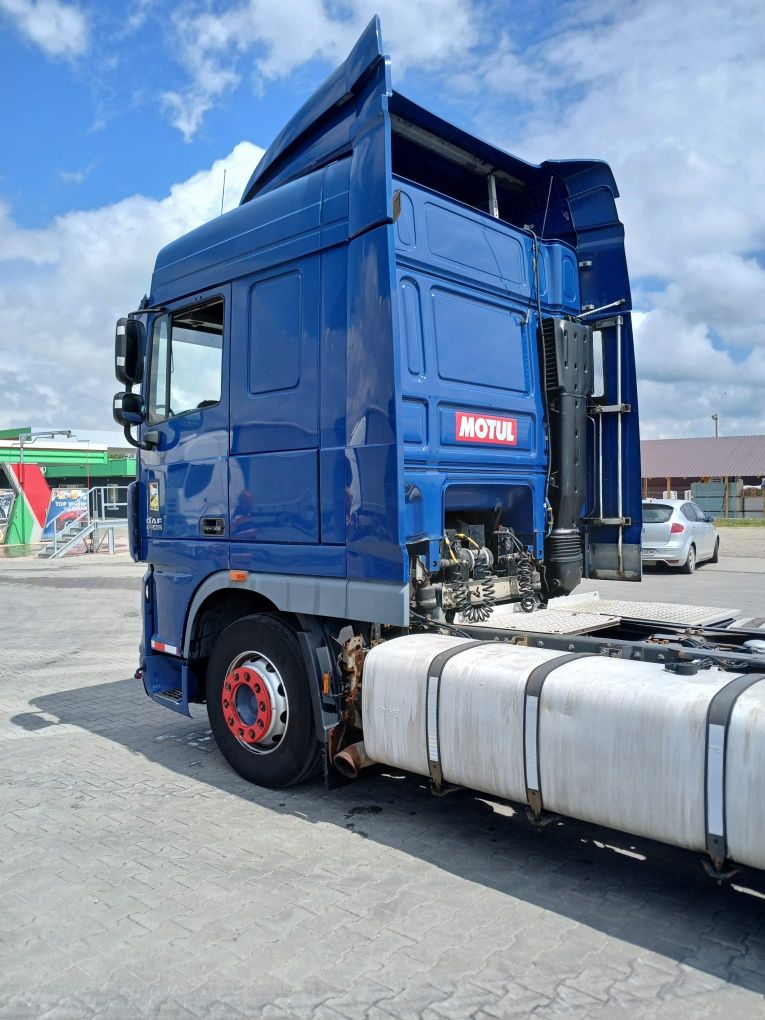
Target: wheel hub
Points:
(254, 702)
(248, 705)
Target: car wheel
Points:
(716, 553)
(690, 564)
(259, 703)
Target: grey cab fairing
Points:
(332, 598)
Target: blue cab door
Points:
(274, 466)
(184, 479)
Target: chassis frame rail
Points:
(683, 651)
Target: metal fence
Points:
(93, 524)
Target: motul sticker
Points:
(484, 428)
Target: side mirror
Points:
(129, 347)
(129, 409)
(710, 518)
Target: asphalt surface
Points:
(736, 582)
(141, 877)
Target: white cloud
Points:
(77, 176)
(671, 96)
(137, 14)
(668, 95)
(723, 290)
(59, 29)
(63, 287)
(683, 378)
(270, 40)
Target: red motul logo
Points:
(483, 428)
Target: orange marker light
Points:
(326, 677)
(237, 575)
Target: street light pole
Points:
(30, 437)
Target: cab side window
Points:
(186, 361)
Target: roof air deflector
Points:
(454, 153)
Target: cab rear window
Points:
(656, 513)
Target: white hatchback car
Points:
(678, 533)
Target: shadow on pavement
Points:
(645, 893)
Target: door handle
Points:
(215, 526)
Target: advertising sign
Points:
(485, 428)
(7, 499)
(66, 506)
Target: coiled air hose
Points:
(480, 612)
(525, 578)
(529, 597)
(457, 586)
(461, 596)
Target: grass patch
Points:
(740, 522)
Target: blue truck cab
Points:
(392, 389)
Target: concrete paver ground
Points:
(141, 877)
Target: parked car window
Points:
(688, 512)
(700, 515)
(656, 513)
(186, 361)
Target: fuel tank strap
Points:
(432, 695)
(718, 720)
(533, 693)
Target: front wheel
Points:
(690, 564)
(259, 703)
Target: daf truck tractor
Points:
(387, 420)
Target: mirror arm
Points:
(149, 442)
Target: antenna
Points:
(223, 192)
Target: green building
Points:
(40, 472)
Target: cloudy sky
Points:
(119, 119)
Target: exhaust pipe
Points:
(566, 355)
(351, 760)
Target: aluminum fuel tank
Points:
(619, 743)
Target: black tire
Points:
(690, 564)
(297, 756)
(716, 553)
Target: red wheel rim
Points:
(247, 705)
